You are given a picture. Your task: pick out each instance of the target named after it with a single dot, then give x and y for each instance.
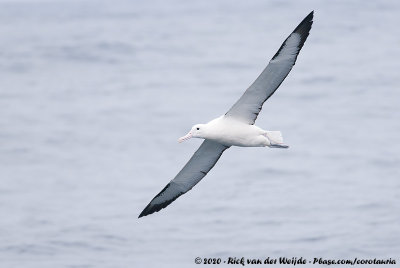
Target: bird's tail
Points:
(275, 139)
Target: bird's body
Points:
(232, 132)
(236, 127)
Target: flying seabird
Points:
(236, 127)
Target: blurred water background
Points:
(94, 94)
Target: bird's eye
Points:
(198, 128)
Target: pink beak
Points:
(185, 138)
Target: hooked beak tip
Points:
(184, 138)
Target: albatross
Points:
(236, 127)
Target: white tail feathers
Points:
(275, 139)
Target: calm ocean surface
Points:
(94, 94)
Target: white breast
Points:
(229, 132)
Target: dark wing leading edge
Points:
(249, 105)
(202, 161)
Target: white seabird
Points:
(236, 127)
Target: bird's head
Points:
(197, 131)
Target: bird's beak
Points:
(186, 137)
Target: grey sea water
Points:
(94, 94)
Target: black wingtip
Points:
(151, 208)
(145, 212)
(303, 29)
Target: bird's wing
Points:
(249, 105)
(202, 161)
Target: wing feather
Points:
(202, 161)
(250, 103)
